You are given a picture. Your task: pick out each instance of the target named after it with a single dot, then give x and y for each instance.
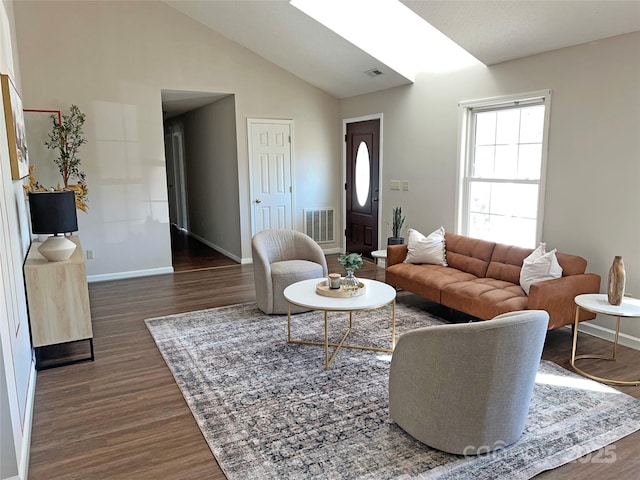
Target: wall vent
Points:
(374, 72)
(318, 224)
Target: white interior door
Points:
(174, 154)
(270, 162)
(182, 219)
(171, 180)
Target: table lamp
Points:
(54, 213)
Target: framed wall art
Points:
(16, 137)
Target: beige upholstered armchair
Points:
(466, 388)
(281, 258)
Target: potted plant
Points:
(397, 224)
(350, 262)
(67, 137)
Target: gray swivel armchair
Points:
(466, 388)
(281, 258)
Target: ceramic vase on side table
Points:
(615, 286)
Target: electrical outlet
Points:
(89, 254)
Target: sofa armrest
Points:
(396, 254)
(557, 297)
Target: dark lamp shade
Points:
(53, 212)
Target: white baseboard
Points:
(381, 263)
(163, 271)
(608, 334)
(23, 461)
(217, 248)
(132, 274)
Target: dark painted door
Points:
(362, 187)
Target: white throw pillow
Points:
(429, 249)
(539, 266)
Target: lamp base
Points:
(57, 249)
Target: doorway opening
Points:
(201, 171)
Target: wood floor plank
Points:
(123, 416)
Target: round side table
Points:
(379, 255)
(598, 303)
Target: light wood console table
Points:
(58, 301)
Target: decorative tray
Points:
(323, 289)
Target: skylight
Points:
(390, 32)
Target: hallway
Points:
(189, 254)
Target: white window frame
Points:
(465, 142)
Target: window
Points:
(502, 166)
(363, 176)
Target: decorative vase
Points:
(350, 282)
(615, 289)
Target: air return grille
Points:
(318, 224)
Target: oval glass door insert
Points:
(362, 174)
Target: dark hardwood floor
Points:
(188, 254)
(123, 417)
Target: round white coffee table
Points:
(377, 295)
(598, 303)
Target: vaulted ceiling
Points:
(491, 31)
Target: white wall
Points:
(17, 380)
(593, 172)
(112, 59)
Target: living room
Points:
(118, 56)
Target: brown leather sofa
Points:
(482, 279)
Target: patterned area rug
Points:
(268, 409)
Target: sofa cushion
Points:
(484, 297)
(429, 249)
(467, 254)
(506, 262)
(424, 280)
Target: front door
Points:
(270, 160)
(362, 186)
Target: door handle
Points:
(258, 200)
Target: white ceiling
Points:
(177, 102)
(492, 31)
(497, 31)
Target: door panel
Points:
(176, 181)
(270, 150)
(168, 155)
(362, 187)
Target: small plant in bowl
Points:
(351, 261)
